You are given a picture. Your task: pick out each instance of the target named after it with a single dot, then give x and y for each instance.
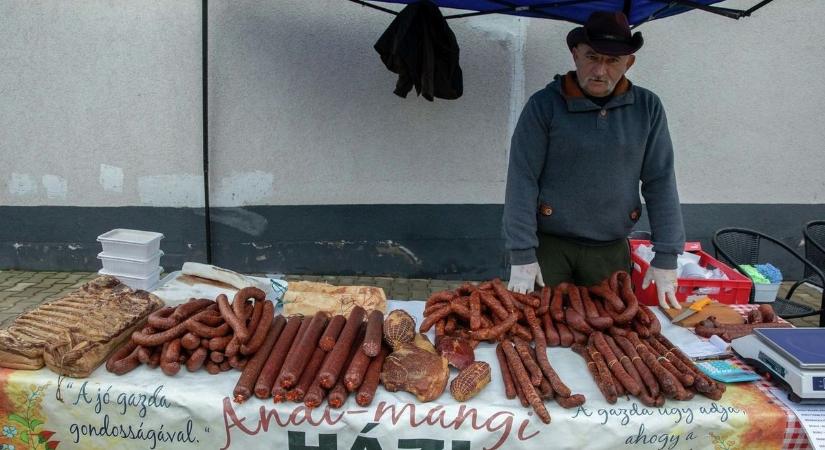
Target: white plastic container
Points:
(130, 244)
(130, 267)
(764, 293)
(146, 283)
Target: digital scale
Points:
(794, 356)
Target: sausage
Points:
(557, 303)
(449, 327)
(565, 336)
(616, 331)
(261, 328)
(161, 319)
(544, 301)
(225, 366)
(610, 298)
(574, 401)
(255, 318)
(629, 298)
(297, 393)
(545, 390)
(331, 368)
(578, 336)
(526, 300)
(357, 364)
(440, 296)
(339, 393)
(232, 348)
(521, 331)
(315, 395)
(655, 326)
(521, 377)
(331, 333)
(575, 320)
(440, 329)
(275, 358)
(169, 363)
(754, 316)
(613, 281)
(196, 359)
(144, 354)
(203, 330)
(549, 373)
(625, 361)
(573, 294)
(216, 356)
(154, 358)
(190, 308)
(366, 392)
(492, 303)
(641, 330)
(527, 360)
(212, 368)
(484, 334)
(507, 378)
(627, 381)
(550, 333)
(475, 310)
(670, 362)
(219, 343)
(669, 384)
(375, 333)
(504, 295)
(591, 313)
(297, 359)
(124, 360)
(702, 383)
(644, 372)
(767, 312)
(535, 327)
(604, 380)
(608, 390)
(232, 319)
(239, 302)
(155, 339)
(190, 342)
(730, 332)
(253, 367)
(430, 320)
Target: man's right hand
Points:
(525, 277)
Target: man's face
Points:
(598, 73)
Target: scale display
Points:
(803, 346)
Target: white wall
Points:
(101, 104)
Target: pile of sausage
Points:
(762, 317)
(489, 312)
(202, 333)
(308, 359)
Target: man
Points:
(579, 151)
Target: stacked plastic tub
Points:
(133, 256)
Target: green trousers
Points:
(563, 259)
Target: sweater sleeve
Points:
(527, 152)
(659, 190)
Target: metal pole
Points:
(205, 78)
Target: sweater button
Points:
(603, 113)
(545, 209)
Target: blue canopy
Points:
(577, 11)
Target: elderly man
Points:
(582, 146)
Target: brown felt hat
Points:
(607, 33)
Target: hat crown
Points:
(609, 26)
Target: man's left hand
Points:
(665, 280)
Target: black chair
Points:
(736, 246)
(814, 234)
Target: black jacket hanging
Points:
(420, 47)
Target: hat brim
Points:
(579, 35)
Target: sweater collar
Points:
(577, 101)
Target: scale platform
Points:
(794, 356)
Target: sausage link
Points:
(494, 332)
(169, 363)
(154, 358)
(339, 393)
(190, 308)
(613, 281)
(591, 313)
(550, 333)
(162, 319)
(606, 386)
(575, 320)
(233, 348)
(654, 325)
(124, 360)
(356, 367)
(334, 328)
(491, 302)
(669, 384)
(190, 341)
(523, 350)
(627, 381)
(253, 367)
(275, 358)
(702, 382)
(144, 354)
(507, 378)
(297, 360)
(203, 330)
(375, 333)
(574, 295)
(231, 318)
(670, 362)
(544, 301)
(604, 377)
(331, 369)
(641, 330)
(574, 401)
(767, 312)
(196, 359)
(440, 296)
(366, 392)
(629, 298)
(557, 303)
(504, 295)
(565, 336)
(315, 395)
(625, 361)
(261, 328)
(644, 372)
(526, 300)
(520, 374)
(219, 343)
(610, 298)
(475, 310)
(239, 301)
(212, 368)
(430, 320)
(297, 393)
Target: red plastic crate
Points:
(735, 290)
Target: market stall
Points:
(147, 409)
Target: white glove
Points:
(665, 280)
(525, 277)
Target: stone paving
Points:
(23, 290)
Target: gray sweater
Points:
(575, 171)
